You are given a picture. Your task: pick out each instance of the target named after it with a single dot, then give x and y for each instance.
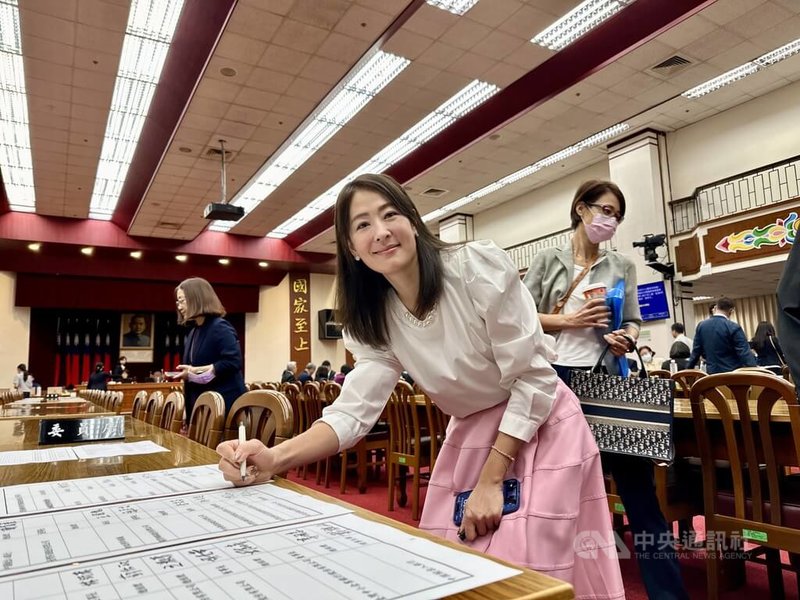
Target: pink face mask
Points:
(601, 229)
(202, 378)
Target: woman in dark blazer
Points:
(769, 353)
(212, 356)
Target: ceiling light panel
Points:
(742, 71)
(555, 158)
(450, 111)
(457, 7)
(148, 35)
(15, 144)
(344, 102)
(579, 21)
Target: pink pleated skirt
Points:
(563, 525)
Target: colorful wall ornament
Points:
(780, 233)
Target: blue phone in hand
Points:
(510, 500)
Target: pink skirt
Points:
(563, 525)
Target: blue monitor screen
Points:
(653, 301)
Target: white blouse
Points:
(482, 345)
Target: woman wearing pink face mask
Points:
(556, 279)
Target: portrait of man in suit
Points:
(137, 331)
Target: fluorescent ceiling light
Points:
(151, 25)
(450, 111)
(557, 157)
(457, 7)
(577, 22)
(369, 77)
(15, 141)
(701, 298)
(742, 71)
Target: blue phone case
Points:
(510, 500)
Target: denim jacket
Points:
(552, 271)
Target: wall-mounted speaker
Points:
(329, 327)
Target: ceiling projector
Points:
(219, 211)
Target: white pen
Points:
(242, 440)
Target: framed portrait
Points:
(136, 331)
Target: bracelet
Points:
(510, 458)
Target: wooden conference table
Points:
(24, 435)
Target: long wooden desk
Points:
(23, 435)
(52, 411)
(683, 410)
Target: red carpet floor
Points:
(692, 562)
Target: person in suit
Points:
(288, 373)
(307, 374)
(119, 368)
(721, 342)
(212, 356)
(99, 379)
(789, 311)
(136, 336)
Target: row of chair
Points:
(7, 396)
(166, 413)
(109, 400)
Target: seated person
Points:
(343, 371)
(680, 353)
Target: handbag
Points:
(778, 353)
(627, 415)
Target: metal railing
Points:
(522, 255)
(754, 189)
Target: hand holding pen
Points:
(245, 462)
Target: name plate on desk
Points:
(67, 431)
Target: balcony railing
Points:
(755, 189)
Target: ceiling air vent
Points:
(168, 225)
(671, 66)
(433, 192)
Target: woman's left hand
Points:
(482, 511)
(619, 344)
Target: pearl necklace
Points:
(426, 322)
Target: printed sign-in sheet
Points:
(333, 558)
(93, 491)
(39, 541)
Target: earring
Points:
(356, 257)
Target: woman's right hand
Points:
(594, 313)
(259, 459)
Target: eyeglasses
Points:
(180, 301)
(608, 211)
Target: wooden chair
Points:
(266, 414)
(153, 408)
(311, 407)
(292, 393)
(270, 386)
(684, 380)
(759, 502)
(116, 402)
(408, 448)
(137, 410)
(208, 419)
(331, 391)
(761, 370)
(660, 373)
(437, 421)
(171, 417)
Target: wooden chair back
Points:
(660, 373)
(331, 391)
(292, 393)
(153, 408)
(137, 410)
(311, 404)
(172, 414)
(787, 373)
(437, 421)
(732, 415)
(208, 419)
(762, 370)
(267, 415)
(115, 404)
(684, 380)
(270, 386)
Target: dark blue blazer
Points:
(723, 344)
(214, 342)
